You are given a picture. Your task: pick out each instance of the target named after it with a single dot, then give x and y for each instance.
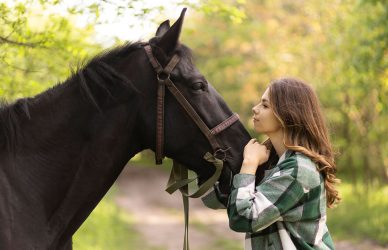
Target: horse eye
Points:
(197, 85)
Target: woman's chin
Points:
(259, 130)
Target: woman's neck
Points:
(277, 139)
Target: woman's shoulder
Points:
(300, 167)
(307, 171)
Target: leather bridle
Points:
(163, 77)
(179, 173)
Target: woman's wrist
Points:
(248, 168)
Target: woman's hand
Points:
(255, 154)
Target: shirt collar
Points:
(285, 155)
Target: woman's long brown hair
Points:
(297, 107)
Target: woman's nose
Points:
(254, 110)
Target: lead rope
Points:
(179, 180)
(186, 207)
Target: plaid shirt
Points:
(286, 210)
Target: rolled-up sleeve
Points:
(252, 209)
(210, 200)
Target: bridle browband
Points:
(163, 77)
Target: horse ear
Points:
(163, 28)
(169, 40)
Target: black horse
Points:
(61, 150)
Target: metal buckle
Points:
(222, 151)
(163, 76)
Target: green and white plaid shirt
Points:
(286, 210)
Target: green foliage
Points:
(220, 243)
(340, 47)
(146, 159)
(360, 216)
(108, 227)
(38, 50)
(39, 46)
(231, 11)
(227, 244)
(359, 81)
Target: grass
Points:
(361, 214)
(220, 243)
(225, 244)
(108, 228)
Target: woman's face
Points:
(264, 119)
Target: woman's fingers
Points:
(255, 153)
(251, 141)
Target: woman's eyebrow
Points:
(264, 100)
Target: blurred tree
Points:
(359, 78)
(14, 15)
(35, 47)
(340, 47)
(33, 31)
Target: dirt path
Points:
(158, 216)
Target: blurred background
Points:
(338, 46)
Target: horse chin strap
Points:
(179, 173)
(179, 177)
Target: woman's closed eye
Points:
(264, 105)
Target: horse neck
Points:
(68, 153)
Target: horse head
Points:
(183, 140)
(64, 148)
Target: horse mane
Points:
(9, 122)
(97, 71)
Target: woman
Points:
(287, 208)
